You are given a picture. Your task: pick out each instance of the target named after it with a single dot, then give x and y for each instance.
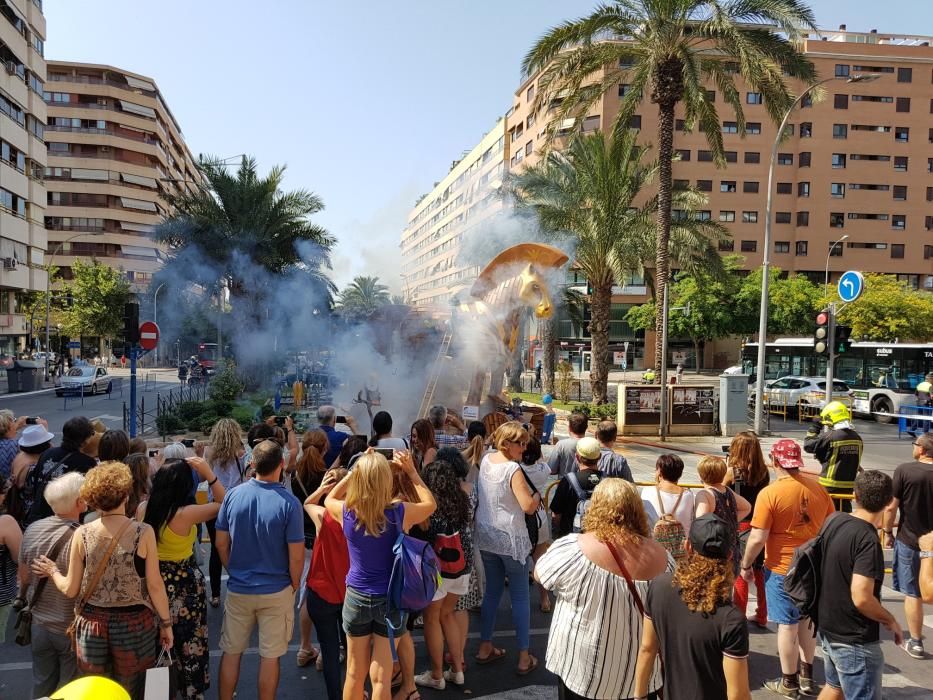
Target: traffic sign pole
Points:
(830, 360)
(133, 392)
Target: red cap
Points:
(786, 454)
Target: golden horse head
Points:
(529, 286)
(532, 291)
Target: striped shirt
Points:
(596, 629)
(445, 439)
(54, 611)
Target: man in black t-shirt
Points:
(576, 486)
(853, 563)
(700, 634)
(913, 495)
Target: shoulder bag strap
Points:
(240, 468)
(53, 555)
(677, 502)
(575, 484)
(626, 576)
(100, 569)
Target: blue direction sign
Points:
(851, 285)
(74, 344)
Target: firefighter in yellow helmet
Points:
(648, 376)
(838, 448)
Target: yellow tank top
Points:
(173, 547)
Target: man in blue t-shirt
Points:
(327, 420)
(260, 540)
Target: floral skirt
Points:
(184, 584)
(474, 597)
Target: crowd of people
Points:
(101, 544)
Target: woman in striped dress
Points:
(596, 629)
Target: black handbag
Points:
(23, 624)
(531, 519)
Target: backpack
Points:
(803, 580)
(583, 500)
(669, 532)
(36, 481)
(450, 557)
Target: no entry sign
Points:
(148, 335)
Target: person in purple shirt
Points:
(261, 542)
(327, 419)
(363, 502)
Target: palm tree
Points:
(571, 303)
(362, 297)
(667, 52)
(588, 194)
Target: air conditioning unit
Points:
(9, 263)
(105, 149)
(11, 67)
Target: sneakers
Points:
(809, 687)
(777, 686)
(426, 680)
(914, 648)
(456, 678)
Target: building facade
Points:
(22, 163)
(114, 149)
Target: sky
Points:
(367, 103)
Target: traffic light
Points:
(131, 323)
(821, 334)
(843, 339)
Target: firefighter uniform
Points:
(839, 450)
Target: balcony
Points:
(87, 80)
(142, 138)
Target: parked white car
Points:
(794, 389)
(93, 379)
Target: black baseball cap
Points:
(711, 537)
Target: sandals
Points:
(495, 655)
(215, 602)
(306, 656)
(532, 665)
(397, 681)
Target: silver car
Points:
(93, 379)
(792, 390)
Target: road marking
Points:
(20, 394)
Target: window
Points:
(838, 190)
(841, 101)
(901, 134)
(803, 189)
(884, 99)
(726, 216)
(626, 62)
(870, 156)
(705, 156)
(900, 164)
(842, 70)
(867, 217)
(680, 125)
(927, 252)
(930, 165)
(591, 123)
(836, 220)
(840, 131)
(749, 217)
(729, 246)
(800, 248)
(683, 154)
(873, 69)
(731, 156)
(930, 194)
(788, 130)
(749, 246)
(803, 218)
(705, 185)
(928, 223)
(624, 89)
(727, 186)
(836, 249)
(785, 159)
(839, 160)
(903, 104)
(807, 100)
(904, 75)
(681, 184)
(749, 187)
(782, 246)
(634, 122)
(753, 128)
(530, 94)
(711, 95)
(528, 148)
(785, 188)
(900, 193)
(752, 157)
(703, 215)
(899, 221)
(730, 128)
(805, 159)
(897, 250)
(806, 130)
(782, 217)
(753, 98)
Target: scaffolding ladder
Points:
(428, 398)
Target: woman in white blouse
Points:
(666, 495)
(600, 578)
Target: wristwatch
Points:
(926, 555)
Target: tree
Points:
(360, 299)
(888, 311)
(571, 303)
(792, 302)
(98, 293)
(667, 52)
(588, 194)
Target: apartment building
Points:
(114, 149)
(433, 273)
(856, 165)
(22, 161)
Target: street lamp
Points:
(832, 247)
(765, 261)
(155, 315)
(48, 291)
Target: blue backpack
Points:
(413, 582)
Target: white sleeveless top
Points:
(500, 520)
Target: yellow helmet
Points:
(835, 412)
(92, 687)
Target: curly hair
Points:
(453, 505)
(704, 583)
(615, 512)
(107, 485)
(226, 441)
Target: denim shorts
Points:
(906, 570)
(781, 608)
(855, 669)
(365, 614)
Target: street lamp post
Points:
(832, 247)
(48, 291)
(155, 316)
(766, 256)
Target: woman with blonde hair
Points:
(600, 578)
(372, 520)
(717, 498)
(114, 565)
(501, 536)
(747, 475)
(225, 454)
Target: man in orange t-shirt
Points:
(788, 512)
